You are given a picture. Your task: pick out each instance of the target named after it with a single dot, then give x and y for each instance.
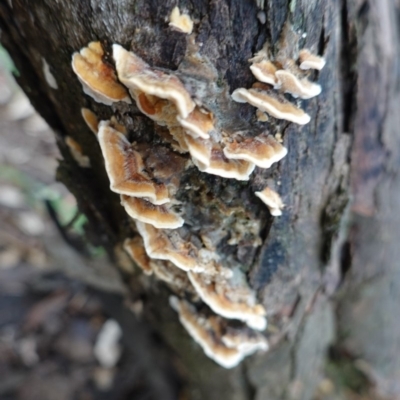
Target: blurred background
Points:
(56, 340)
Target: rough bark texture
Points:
(327, 271)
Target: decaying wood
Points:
(327, 271)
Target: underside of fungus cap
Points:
(125, 167)
(272, 106)
(308, 60)
(159, 110)
(160, 216)
(215, 293)
(135, 74)
(98, 79)
(224, 167)
(265, 71)
(302, 88)
(206, 331)
(172, 247)
(263, 151)
(272, 200)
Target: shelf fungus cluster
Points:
(211, 294)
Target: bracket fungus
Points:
(272, 200)
(98, 78)
(180, 22)
(308, 60)
(90, 119)
(186, 253)
(136, 75)
(263, 151)
(207, 332)
(125, 167)
(265, 102)
(230, 298)
(160, 216)
(302, 88)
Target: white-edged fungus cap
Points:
(160, 246)
(125, 167)
(198, 123)
(252, 314)
(272, 106)
(98, 79)
(302, 88)
(264, 71)
(180, 22)
(160, 216)
(272, 200)
(135, 74)
(224, 167)
(308, 60)
(206, 332)
(262, 151)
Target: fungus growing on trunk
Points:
(160, 216)
(91, 119)
(197, 258)
(265, 102)
(125, 167)
(136, 75)
(303, 88)
(230, 297)
(207, 331)
(272, 200)
(262, 151)
(180, 22)
(308, 60)
(98, 78)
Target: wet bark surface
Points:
(327, 270)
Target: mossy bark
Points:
(328, 270)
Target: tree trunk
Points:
(327, 270)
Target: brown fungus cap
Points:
(270, 105)
(207, 332)
(98, 79)
(91, 119)
(135, 74)
(264, 71)
(198, 123)
(199, 149)
(125, 167)
(229, 297)
(263, 151)
(161, 246)
(160, 216)
(272, 200)
(221, 166)
(308, 60)
(303, 88)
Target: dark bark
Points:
(327, 270)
